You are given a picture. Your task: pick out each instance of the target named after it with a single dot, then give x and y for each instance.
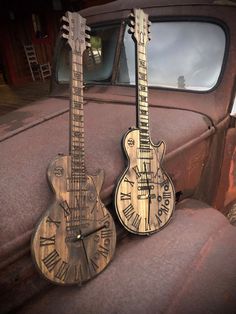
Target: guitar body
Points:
(75, 239)
(144, 197)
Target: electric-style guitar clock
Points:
(76, 237)
(144, 197)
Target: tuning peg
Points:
(149, 37)
(64, 19)
(68, 14)
(131, 18)
(88, 45)
(131, 30)
(65, 28)
(149, 23)
(87, 36)
(64, 36)
(131, 23)
(87, 28)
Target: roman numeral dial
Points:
(73, 248)
(144, 198)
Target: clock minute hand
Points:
(149, 193)
(81, 236)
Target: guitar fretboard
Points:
(77, 118)
(142, 91)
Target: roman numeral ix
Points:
(47, 241)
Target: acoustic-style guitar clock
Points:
(144, 197)
(76, 237)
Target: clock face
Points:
(142, 210)
(145, 196)
(70, 248)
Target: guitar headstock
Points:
(75, 31)
(139, 26)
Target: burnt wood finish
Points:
(144, 197)
(76, 237)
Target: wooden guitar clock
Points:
(76, 237)
(144, 197)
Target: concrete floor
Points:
(12, 98)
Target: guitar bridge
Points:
(76, 184)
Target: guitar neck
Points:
(77, 150)
(142, 94)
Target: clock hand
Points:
(86, 255)
(81, 236)
(91, 232)
(149, 193)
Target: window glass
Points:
(98, 60)
(181, 55)
(39, 26)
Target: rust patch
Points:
(232, 215)
(226, 192)
(231, 192)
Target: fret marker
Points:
(143, 98)
(142, 76)
(142, 63)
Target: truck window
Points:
(98, 60)
(181, 55)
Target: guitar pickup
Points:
(144, 176)
(144, 153)
(145, 187)
(146, 196)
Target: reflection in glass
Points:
(98, 60)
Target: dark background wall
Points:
(31, 22)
